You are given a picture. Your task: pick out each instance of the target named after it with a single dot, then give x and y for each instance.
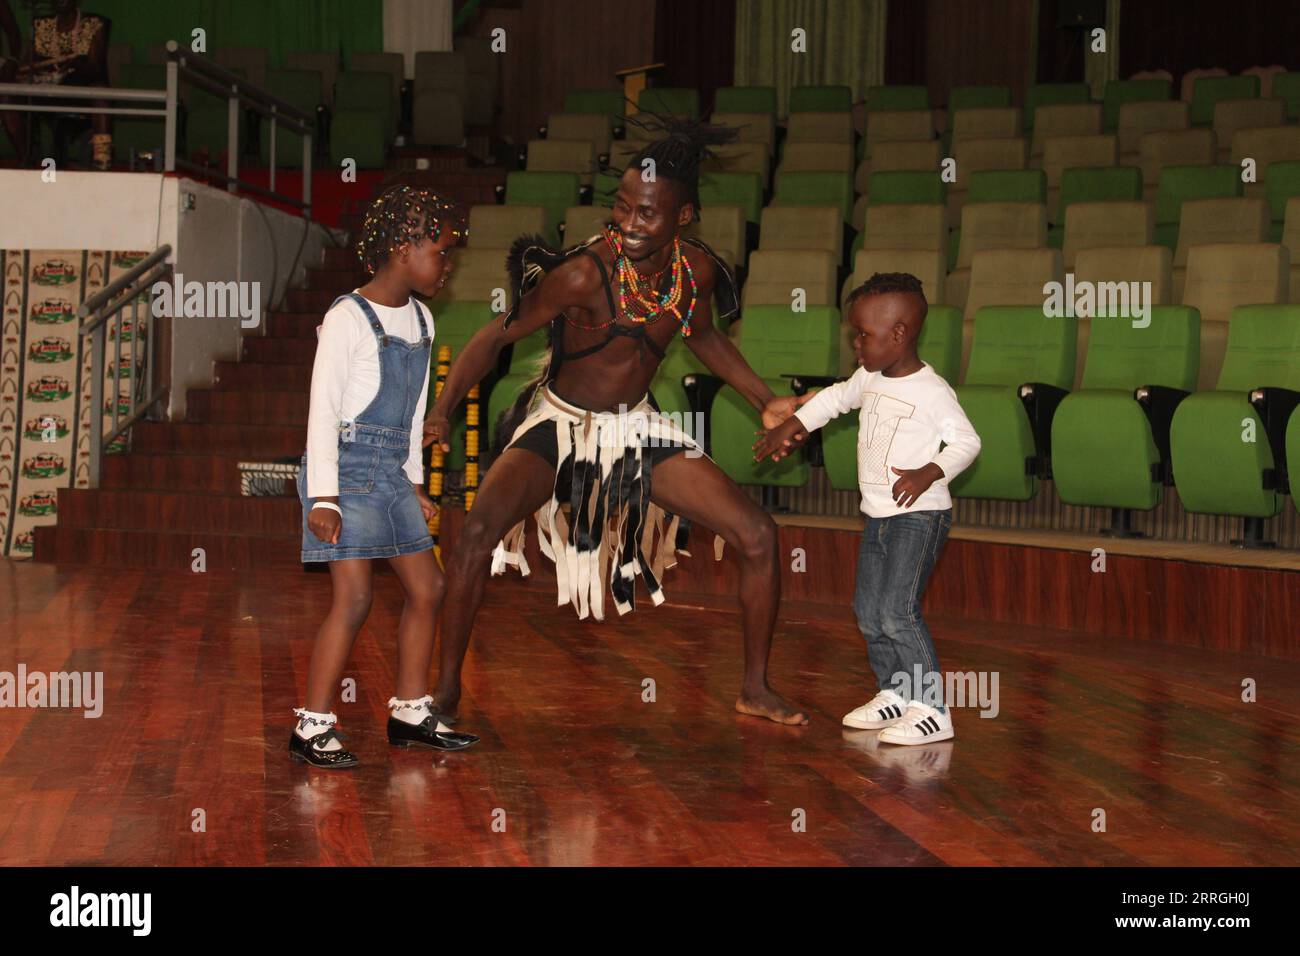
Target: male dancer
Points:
(574, 442)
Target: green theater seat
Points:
(300, 88)
(745, 99)
(1051, 94)
(940, 343)
(1286, 87)
(733, 423)
(1008, 185)
(1209, 90)
(890, 186)
(555, 192)
(358, 135)
(1181, 183)
(777, 342)
(367, 91)
(1220, 467)
(738, 189)
(1282, 183)
(815, 189)
(1119, 92)
(1021, 365)
(897, 98)
(608, 102)
(820, 99)
(1110, 439)
(977, 98)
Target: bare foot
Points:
(768, 703)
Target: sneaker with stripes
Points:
(920, 724)
(883, 710)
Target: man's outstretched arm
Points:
(567, 285)
(716, 350)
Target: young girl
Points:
(361, 480)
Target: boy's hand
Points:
(437, 429)
(427, 505)
(913, 483)
(781, 440)
(776, 411)
(325, 524)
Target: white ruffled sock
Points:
(414, 711)
(311, 723)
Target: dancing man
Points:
(586, 431)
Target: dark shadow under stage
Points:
(201, 671)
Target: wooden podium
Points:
(634, 81)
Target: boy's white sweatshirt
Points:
(345, 379)
(901, 423)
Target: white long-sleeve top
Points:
(345, 379)
(901, 423)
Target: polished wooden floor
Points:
(202, 670)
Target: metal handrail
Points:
(110, 301)
(199, 71)
(201, 68)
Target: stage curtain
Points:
(281, 27)
(845, 44)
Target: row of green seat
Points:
(1135, 427)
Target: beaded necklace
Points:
(639, 298)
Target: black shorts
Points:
(541, 440)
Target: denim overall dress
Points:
(381, 515)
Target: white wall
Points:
(222, 238)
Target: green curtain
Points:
(280, 26)
(845, 45)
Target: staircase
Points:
(178, 488)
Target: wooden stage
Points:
(201, 672)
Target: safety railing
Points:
(199, 71)
(115, 299)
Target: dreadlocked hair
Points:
(682, 148)
(403, 215)
(882, 283)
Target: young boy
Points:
(907, 410)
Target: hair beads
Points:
(404, 215)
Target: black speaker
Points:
(1080, 13)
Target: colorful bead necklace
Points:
(647, 304)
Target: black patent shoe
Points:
(426, 734)
(309, 750)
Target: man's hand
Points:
(781, 440)
(778, 409)
(437, 429)
(913, 483)
(427, 505)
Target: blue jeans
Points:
(894, 564)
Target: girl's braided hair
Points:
(403, 215)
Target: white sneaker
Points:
(883, 710)
(921, 724)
